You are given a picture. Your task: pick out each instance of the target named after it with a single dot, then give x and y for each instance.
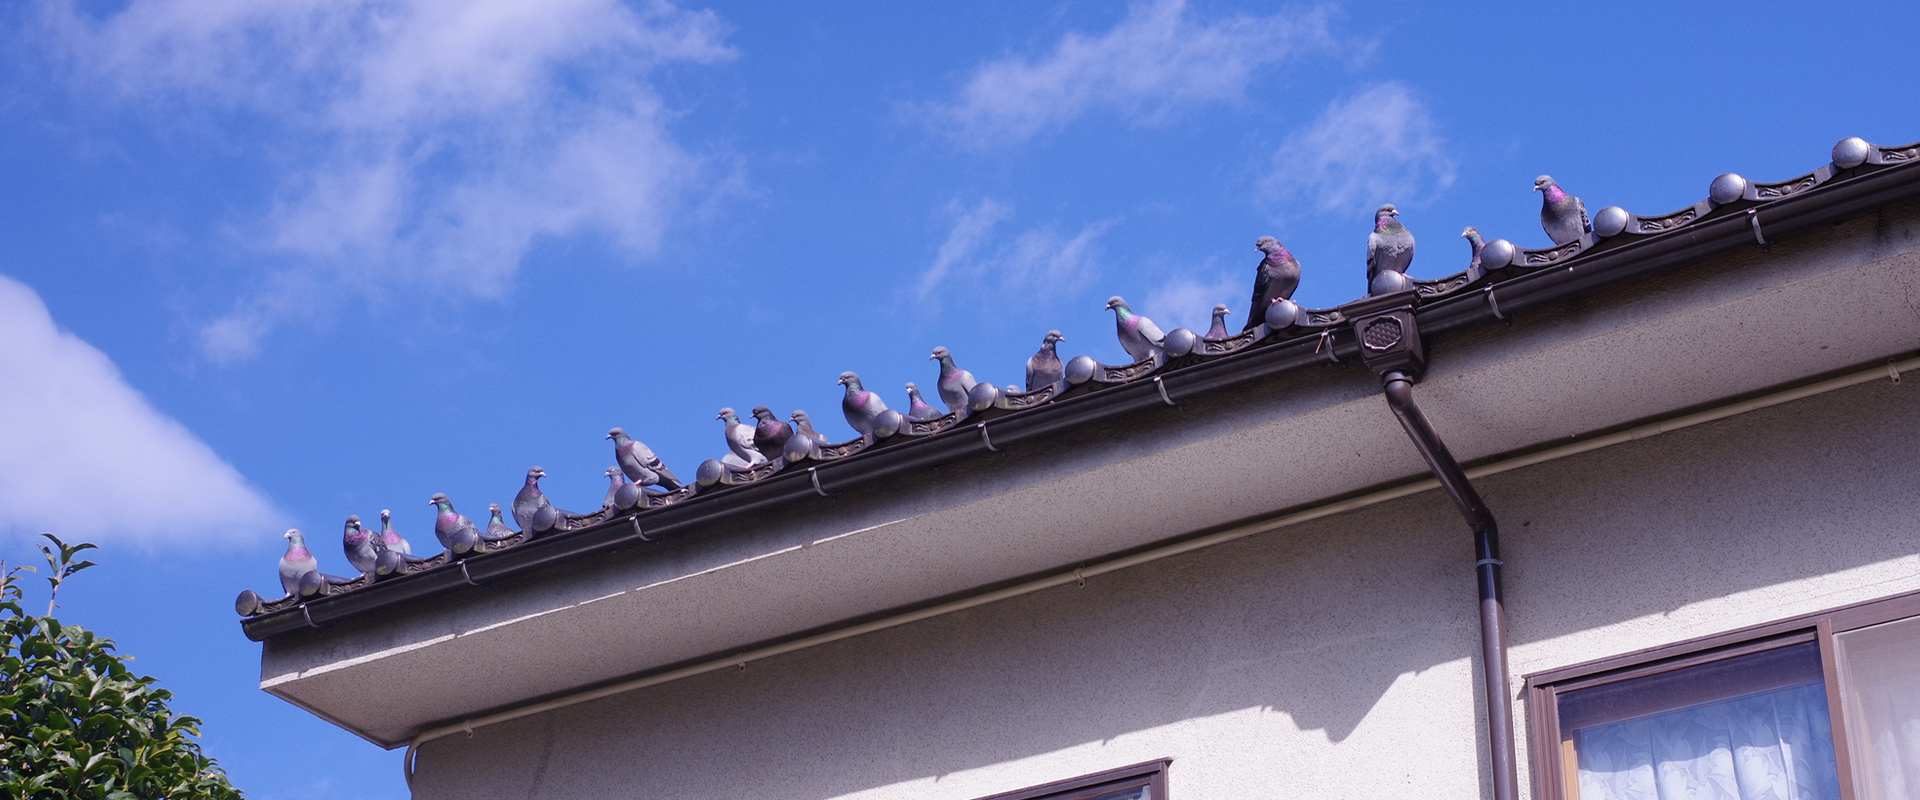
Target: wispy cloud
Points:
(1378, 146)
(420, 141)
(980, 261)
(1187, 301)
(1155, 61)
(87, 457)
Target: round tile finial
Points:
(1080, 369)
(1180, 342)
(1851, 152)
(1281, 314)
(1610, 221)
(1727, 188)
(1496, 254)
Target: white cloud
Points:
(421, 141)
(1378, 146)
(86, 457)
(1187, 302)
(978, 260)
(1155, 61)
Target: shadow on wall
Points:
(1316, 622)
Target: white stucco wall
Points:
(1331, 659)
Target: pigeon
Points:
(955, 382)
(361, 546)
(740, 439)
(1138, 335)
(1219, 329)
(525, 504)
(1472, 235)
(617, 479)
(1562, 215)
(1390, 247)
(803, 426)
(1274, 278)
(769, 435)
(497, 527)
(297, 563)
(452, 528)
(638, 462)
(390, 538)
(917, 408)
(861, 406)
(1044, 368)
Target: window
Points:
(1821, 707)
(1139, 782)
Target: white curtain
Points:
(1775, 745)
(1880, 680)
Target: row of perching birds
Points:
(639, 474)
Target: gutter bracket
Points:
(635, 522)
(1494, 306)
(1753, 218)
(465, 574)
(812, 472)
(988, 440)
(1157, 384)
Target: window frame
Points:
(1546, 750)
(1126, 777)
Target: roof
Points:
(1623, 246)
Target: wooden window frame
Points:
(1548, 752)
(1154, 774)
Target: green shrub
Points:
(75, 722)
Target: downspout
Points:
(1391, 346)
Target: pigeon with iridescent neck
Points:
(770, 435)
(1044, 368)
(803, 426)
(391, 538)
(617, 479)
(1138, 335)
(861, 407)
(297, 563)
(452, 528)
(527, 503)
(638, 462)
(1562, 215)
(1390, 246)
(360, 545)
(955, 383)
(1219, 329)
(1274, 278)
(496, 526)
(917, 407)
(739, 440)
(1472, 235)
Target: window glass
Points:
(1880, 689)
(1751, 727)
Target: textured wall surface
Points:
(1329, 659)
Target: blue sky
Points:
(269, 264)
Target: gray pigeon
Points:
(1138, 335)
(360, 544)
(769, 435)
(1472, 235)
(740, 439)
(862, 407)
(1390, 246)
(617, 479)
(452, 528)
(497, 527)
(803, 426)
(955, 382)
(1562, 215)
(1219, 329)
(1274, 278)
(525, 504)
(1044, 368)
(297, 563)
(638, 462)
(390, 538)
(917, 408)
